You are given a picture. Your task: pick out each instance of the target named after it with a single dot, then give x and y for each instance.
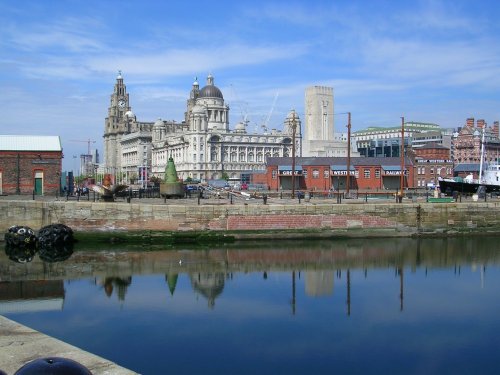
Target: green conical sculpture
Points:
(171, 188)
(170, 171)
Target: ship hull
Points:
(448, 187)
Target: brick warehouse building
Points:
(432, 161)
(325, 173)
(30, 164)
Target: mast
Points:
(480, 177)
(402, 156)
(347, 184)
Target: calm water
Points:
(401, 306)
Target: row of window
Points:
(438, 169)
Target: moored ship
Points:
(468, 185)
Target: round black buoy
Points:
(55, 235)
(53, 366)
(20, 236)
(55, 242)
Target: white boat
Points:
(489, 178)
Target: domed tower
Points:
(240, 128)
(193, 95)
(198, 119)
(292, 128)
(159, 130)
(210, 97)
(292, 120)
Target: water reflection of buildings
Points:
(209, 285)
(120, 283)
(319, 283)
(31, 296)
(324, 267)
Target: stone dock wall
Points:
(349, 219)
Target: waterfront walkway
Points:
(255, 198)
(20, 344)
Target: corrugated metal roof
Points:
(30, 143)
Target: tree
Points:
(225, 176)
(133, 178)
(155, 180)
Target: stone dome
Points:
(292, 114)
(240, 127)
(210, 91)
(129, 114)
(158, 123)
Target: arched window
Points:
(242, 156)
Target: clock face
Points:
(121, 103)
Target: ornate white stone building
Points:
(203, 146)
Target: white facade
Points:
(203, 146)
(136, 152)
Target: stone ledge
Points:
(20, 344)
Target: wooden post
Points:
(401, 191)
(348, 152)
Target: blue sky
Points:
(429, 61)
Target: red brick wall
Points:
(19, 169)
(302, 222)
(320, 183)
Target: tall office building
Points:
(319, 137)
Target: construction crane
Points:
(268, 117)
(244, 111)
(88, 141)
